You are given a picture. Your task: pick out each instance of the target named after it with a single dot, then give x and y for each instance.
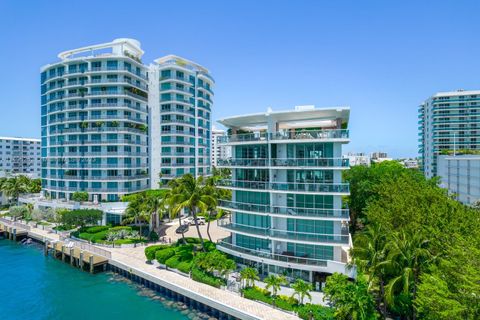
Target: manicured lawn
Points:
(100, 234)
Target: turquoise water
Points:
(37, 287)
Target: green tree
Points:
(80, 196)
(249, 275)
(137, 212)
(18, 212)
(274, 283)
(350, 299)
(302, 289)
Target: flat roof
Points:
(456, 93)
(286, 116)
(18, 138)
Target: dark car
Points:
(182, 229)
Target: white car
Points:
(188, 220)
(200, 221)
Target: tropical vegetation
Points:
(13, 187)
(418, 247)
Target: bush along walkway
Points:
(210, 267)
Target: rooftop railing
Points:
(326, 134)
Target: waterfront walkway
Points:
(134, 261)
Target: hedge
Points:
(118, 228)
(201, 276)
(173, 262)
(163, 255)
(185, 266)
(282, 302)
(318, 312)
(96, 229)
(151, 250)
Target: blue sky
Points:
(382, 58)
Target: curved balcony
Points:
(289, 212)
(285, 162)
(98, 190)
(288, 187)
(95, 178)
(96, 142)
(66, 154)
(226, 243)
(93, 166)
(91, 118)
(285, 235)
(96, 106)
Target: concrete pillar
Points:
(71, 256)
(45, 249)
(63, 253)
(80, 260)
(90, 261)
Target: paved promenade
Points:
(134, 260)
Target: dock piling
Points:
(90, 261)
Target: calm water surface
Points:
(39, 287)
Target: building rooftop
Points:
(459, 92)
(300, 117)
(20, 139)
(182, 62)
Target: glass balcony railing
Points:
(327, 134)
(109, 178)
(287, 186)
(244, 137)
(285, 234)
(106, 141)
(285, 162)
(226, 243)
(290, 211)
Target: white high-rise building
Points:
(448, 122)
(20, 156)
(112, 125)
(219, 151)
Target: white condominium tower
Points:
(100, 124)
(20, 156)
(181, 105)
(287, 210)
(448, 122)
(219, 151)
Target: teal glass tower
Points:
(94, 122)
(287, 212)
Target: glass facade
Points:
(94, 126)
(287, 207)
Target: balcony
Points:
(293, 212)
(339, 134)
(226, 243)
(285, 235)
(244, 137)
(285, 162)
(285, 187)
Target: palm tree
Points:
(370, 255)
(190, 193)
(274, 282)
(167, 204)
(249, 275)
(153, 204)
(136, 211)
(302, 289)
(13, 187)
(408, 256)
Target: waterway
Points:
(39, 287)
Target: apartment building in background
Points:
(358, 159)
(111, 124)
(287, 210)
(447, 121)
(20, 156)
(219, 151)
(460, 174)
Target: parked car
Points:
(187, 220)
(200, 221)
(182, 229)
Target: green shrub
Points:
(118, 228)
(256, 293)
(201, 276)
(185, 266)
(210, 246)
(99, 236)
(286, 303)
(163, 255)
(173, 262)
(153, 236)
(318, 312)
(151, 250)
(96, 229)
